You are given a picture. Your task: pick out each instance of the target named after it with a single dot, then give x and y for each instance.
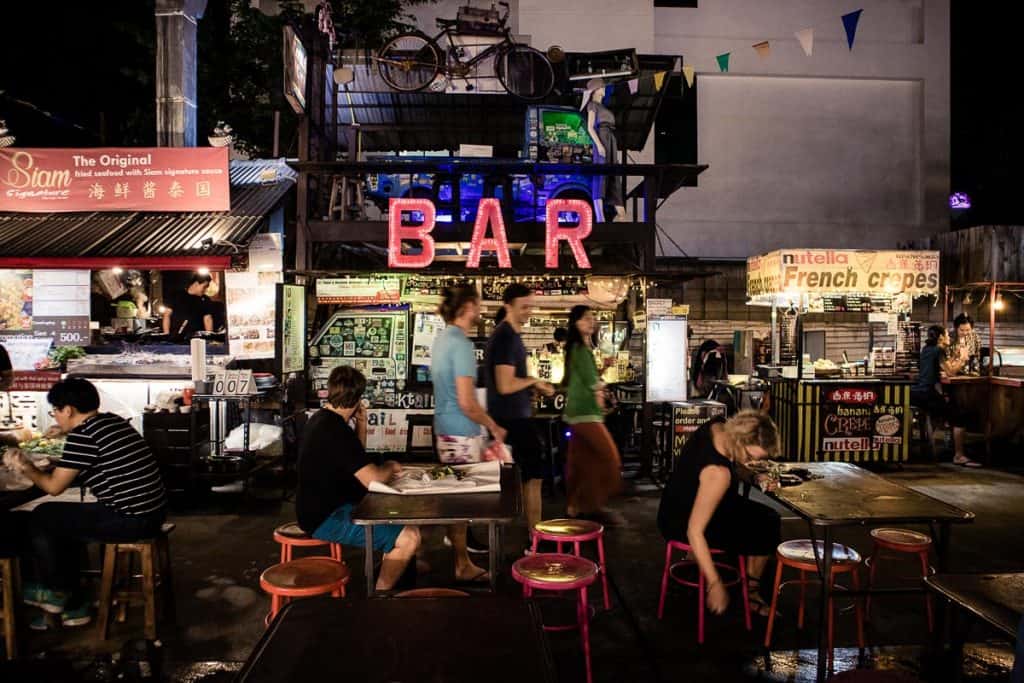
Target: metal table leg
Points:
(369, 560)
(492, 554)
(823, 608)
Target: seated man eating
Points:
(104, 452)
(335, 471)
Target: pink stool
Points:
(741, 573)
(575, 531)
(561, 573)
(291, 536)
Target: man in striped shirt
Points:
(105, 453)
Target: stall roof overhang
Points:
(154, 240)
(789, 274)
(390, 121)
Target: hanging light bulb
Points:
(998, 304)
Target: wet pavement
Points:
(221, 545)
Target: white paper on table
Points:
(484, 477)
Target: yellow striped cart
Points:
(847, 420)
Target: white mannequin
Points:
(599, 115)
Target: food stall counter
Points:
(853, 419)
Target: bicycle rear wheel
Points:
(524, 72)
(409, 62)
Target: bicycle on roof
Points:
(412, 61)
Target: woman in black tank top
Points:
(701, 506)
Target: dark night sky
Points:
(97, 56)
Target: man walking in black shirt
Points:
(509, 395)
(335, 471)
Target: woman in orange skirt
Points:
(593, 470)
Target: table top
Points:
(505, 506)
(392, 640)
(848, 495)
(996, 598)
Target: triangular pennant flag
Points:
(723, 62)
(634, 85)
(659, 80)
(763, 48)
(850, 24)
(806, 38)
(688, 75)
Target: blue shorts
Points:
(338, 528)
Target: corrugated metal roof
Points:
(257, 186)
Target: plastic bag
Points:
(262, 437)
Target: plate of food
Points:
(40, 446)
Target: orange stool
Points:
(575, 531)
(905, 542)
(561, 573)
(303, 578)
(800, 555)
(291, 536)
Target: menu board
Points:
(855, 303)
(252, 323)
(426, 327)
(666, 360)
(46, 303)
(291, 336)
(359, 290)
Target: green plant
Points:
(62, 354)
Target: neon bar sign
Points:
(488, 215)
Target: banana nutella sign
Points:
(831, 271)
(114, 179)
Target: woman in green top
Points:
(593, 467)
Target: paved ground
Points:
(218, 551)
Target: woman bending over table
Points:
(702, 507)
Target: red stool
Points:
(303, 578)
(800, 555)
(575, 531)
(561, 573)
(741, 574)
(291, 536)
(905, 542)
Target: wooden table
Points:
(995, 598)
(492, 509)
(848, 495)
(993, 405)
(457, 640)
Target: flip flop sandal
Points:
(482, 577)
(971, 464)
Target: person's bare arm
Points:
(714, 481)
(382, 473)
(951, 366)
(465, 392)
(208, 322)
(54, 483)
(507, 383)
(167, 320)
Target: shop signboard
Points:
(291, 328)
(387, 431)
(295, 66)
(35, 180)
(359, 291)
(35, 380)
(848, 418)
(830, 271)
(687, 418)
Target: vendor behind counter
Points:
(190, 311)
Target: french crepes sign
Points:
(834, 271)
(114, 179)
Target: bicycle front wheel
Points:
(524, 72)
(409, 62)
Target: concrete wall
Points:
(841, 149)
